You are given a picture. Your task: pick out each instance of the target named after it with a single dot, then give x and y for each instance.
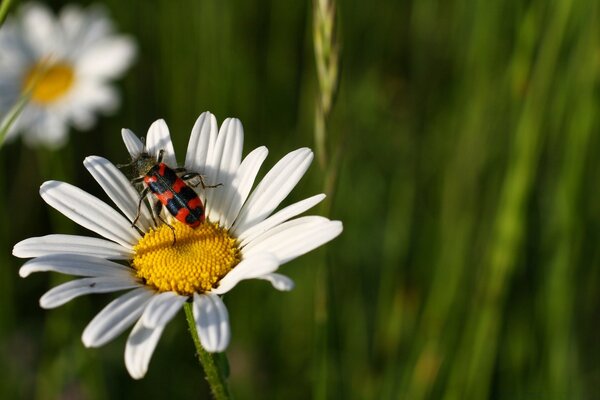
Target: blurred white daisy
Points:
(66, 63)
(241, 239)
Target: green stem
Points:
(4, 7)
(11, 117)
(214, 364)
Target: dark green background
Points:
(469, 191)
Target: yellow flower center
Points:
(196, 262)
(48, 82)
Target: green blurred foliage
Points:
(468, 188)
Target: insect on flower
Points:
(170, 189)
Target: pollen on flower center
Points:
(199, 258)
(48, 82)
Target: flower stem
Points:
(4, 7)
(215, 365)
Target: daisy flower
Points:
(66, 64)
(241, 238)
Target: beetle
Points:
(170, 189)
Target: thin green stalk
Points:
(11, 117)
(459, 225)
(4, 7)
(214, 364)
(472, 377)
(563, 234)
(326, 47)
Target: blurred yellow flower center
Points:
(48, 82)
(199, 258)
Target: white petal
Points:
(134, 145)
(83, 28)
(202, 142)
(274, 187)
(75, 264)
(222, 165)
(117, 316)
(251, 267)
(158, 139)
(70, 244)
(212, 322)
(89, 212)
(119, 189)
(279, 282)
(294, 238)
(241, 186)
(66, 292)
(139, 349)
(162, 308)
(40, 29)
(49, 128)
(281, 216)
(108, 58)
(87, 97)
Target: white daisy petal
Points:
(251, 267)
(240, 221)
(222, 165)
(279, 282)
(117, 316)
(108, 58)
(159, 139)
(75, 264)
(241, 185)
(134, 145)
(119, 189)
(39, 27)
(274, 187)
(84, 28)
(74, 57)
(139, 349)
(91, 96)
(212, 322)
(281, 216)
(70, 244)
(294, 238)
(162, 308)
(48, 129)
(89, 212)
(66, 292)
(202, 142)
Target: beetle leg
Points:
(142, 197)
(192, 175)
(139, 179)
(157, 209)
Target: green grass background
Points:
(468, 187)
